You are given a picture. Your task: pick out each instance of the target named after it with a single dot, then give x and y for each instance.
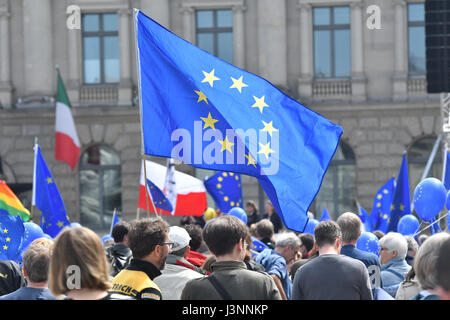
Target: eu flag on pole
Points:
(325, 215)
(364, 216)
(210, 114)
(401, 202)
(157, 196)
(226, 190)
(381, 209)
(46, 197)
(114, 221)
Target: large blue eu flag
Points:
(210, 114)
(401, 202)
(46, 197)
(226, 190)
(381, 210)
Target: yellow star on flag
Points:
(259, 103)
(238, 84)
(385, 191)
(265, 149)
(201, 96)
(210, 77)
(250, 159)
(60, 224)
(402, 207)
(268, 127)
(5, 247)
(5, 230)
(49, 180)
(209, 121)
(379, 196)
(226, 145)
(8, 239)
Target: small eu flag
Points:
(401, 201)
(46, 197)
(210, 114)
(159, 199)
(325, 215)
(364, 216)
(12, 233)
(381, 209)
(226, 190)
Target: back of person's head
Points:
(287, 238)
(380, 234)
(78, 250)
(145, 235)
(42, 242)
(195, 232)
(326, 233)
(264, 229)
(36, 262)
(307, 240)
(180, 239)
(394, 241)
(413, 246)
(223, 233)
(443, 266)
(120, 230)
(350, 225)
(422, 238)
(425, 261)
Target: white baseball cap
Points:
(180, 237)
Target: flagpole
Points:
(114, 216)
(33, 197)
(147, 193)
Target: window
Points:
(100, 187)
(418, 154)
(214, 31)
(416, 39)
(100, 48)
(331, 27)
(338, 190)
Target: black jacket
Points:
(119, 257)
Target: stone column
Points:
(272, 41)
(38, 47)
(125, 91)
(158, 10)
(306, 51)
(73, 51)
(400, 53)
(239, 36)
(5, 59)
(187, 13)
(357, 52)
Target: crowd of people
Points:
(218, 260)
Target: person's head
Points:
(443, 271)
(328, 235)
(393, 246)
(425, 261)
(78, 251)
(250, 207)
(422, 238)
(187, 220)
(226, 235)
(180, 238)
(413, 246)
(269, 208)
(149, 240)
(350, 225)
(120, 232)
(380, 234)
(288, 245)
(42, 242)
(264, 229)
(195, 232)
(36, 261)
(306, 243)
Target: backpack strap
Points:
(220, 289)
(396, 273)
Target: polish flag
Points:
(190, 191)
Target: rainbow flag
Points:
(11, 204)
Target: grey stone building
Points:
(329, 54)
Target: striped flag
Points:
(11, 204)
(67, 144)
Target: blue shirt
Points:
(27, 293)
(275, 264)
(369, 259)
(394, 272)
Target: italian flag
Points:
(67, 145)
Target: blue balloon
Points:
(47, 236)
(107, 237)
(368, 242)
(447, 203)
(75, 225)
(32, 232)
(429, 198)
(238, 213)
(408, 225)
(312, 223)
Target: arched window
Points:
(418, 155)
(338, 190)
(100, 187)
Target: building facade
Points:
(359, 63)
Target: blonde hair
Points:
(82, 248)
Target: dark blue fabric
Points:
(28, 293)
(275, 264)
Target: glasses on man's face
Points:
(384, 249)
(169, 244)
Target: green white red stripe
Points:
(67, 144)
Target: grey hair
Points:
(350, 225)
(36, 261)
(425, 260)
(287, 238)
(395, 241)
(412, 243)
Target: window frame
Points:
(100, 34)
(414, 24)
